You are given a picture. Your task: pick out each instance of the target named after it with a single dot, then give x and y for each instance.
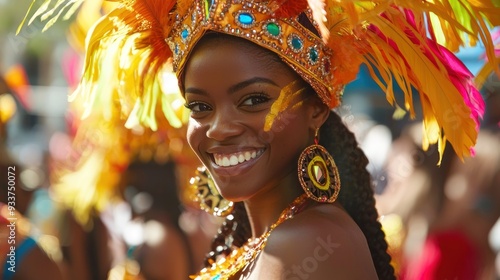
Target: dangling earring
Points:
(207, 195)
(318, 173)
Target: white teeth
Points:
(235, 159)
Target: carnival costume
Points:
(405, 43)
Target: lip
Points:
(235, 169)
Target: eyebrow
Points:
(236, 87)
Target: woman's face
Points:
(230, 88)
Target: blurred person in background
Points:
(445, 213)
(29, 259)
(122, 199)
(410, 200)
(119, 188)
(156, 243)
(456, 245)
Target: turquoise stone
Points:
(313, 55)
(216, 277)
(245, 18)
(184, 33)
(273, 29)
(296, 43)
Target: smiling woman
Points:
(230, 89)
(260, 79)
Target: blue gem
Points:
(216, 277)
(184, 34)
(296, 43)
(245, 18)
(176, 49)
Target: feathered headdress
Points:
(410, 43)
(106, 141)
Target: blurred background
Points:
(99, 201)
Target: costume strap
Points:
(22, 251)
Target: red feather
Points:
(288, 8)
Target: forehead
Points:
(229, 59)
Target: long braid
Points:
(234, 231)
(356, 194)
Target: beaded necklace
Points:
(242, 257)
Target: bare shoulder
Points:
(319, 243)
(37, 263)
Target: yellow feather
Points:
(25, 17)
(40, 11)
(447, 106)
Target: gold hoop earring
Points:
(207, 195)
(318, 173)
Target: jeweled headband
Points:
(304, 51)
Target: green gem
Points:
(273, 29)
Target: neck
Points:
(264, 208)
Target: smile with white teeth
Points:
(226, 160)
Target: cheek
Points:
(291, 125)
(290, 137)
(194, 134)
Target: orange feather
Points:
(288, 8)
(155, 15)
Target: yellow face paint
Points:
(285, 101)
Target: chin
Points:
(235, 192)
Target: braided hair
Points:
(234, 232)
(356, 195)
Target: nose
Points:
(223, 127)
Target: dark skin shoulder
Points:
(320, 243)
(37, 265)
(168, 259)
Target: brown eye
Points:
(198, 107)
(255, 99)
